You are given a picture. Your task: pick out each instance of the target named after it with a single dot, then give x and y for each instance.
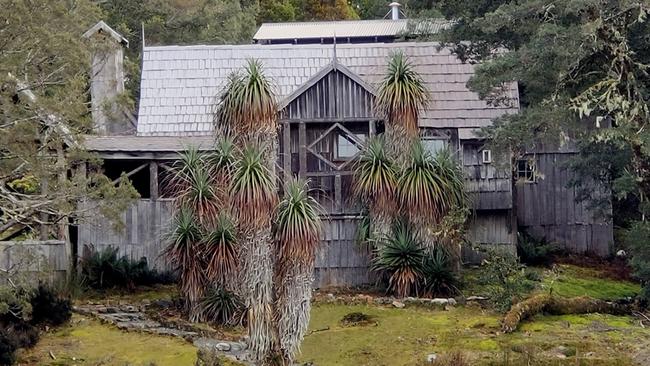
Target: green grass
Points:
(571, 281)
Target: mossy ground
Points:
(89, 342)
(570, 281)
(394, 337)
(406, 336)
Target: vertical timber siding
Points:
(145, 223)
(47, 257)
(548, 209)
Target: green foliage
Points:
(505, 280)
(298, 224)
(430, 187)
(438, 275)
(401, 94)
(25, 310)
(400, 258)
(222, 307)
(44, 112)
(636, 239)
(104, 269)
(375, 177)
(532, 251)
(49, 308)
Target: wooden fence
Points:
(44, 260)
(547, 208)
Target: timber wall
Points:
(339, 261)
(547, 208)
(44, 259)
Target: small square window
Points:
(346, 147)
(526, 170)
(433, 146)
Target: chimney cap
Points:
(394, 3)
(102, 27)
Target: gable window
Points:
(346, 147)
(434, 145)
(526, 170)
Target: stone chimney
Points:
(394, 10)
(107, 80)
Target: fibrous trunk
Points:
(257, 281)
(294, 306)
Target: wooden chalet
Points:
(325, 90)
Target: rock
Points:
(398, 304)
(621, 253)
(476, 298)
(452, 301)
(223, 346)
(331, 297)
(432, 357)
(441, 302)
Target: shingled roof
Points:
(180, 83)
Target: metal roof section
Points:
(180, 84)
(345, 29)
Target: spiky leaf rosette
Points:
(401, 94)
(298, 223)
(375, 177)
(423, 192)
(253, 189)
(247, 105)
(400, 258)
(220, 249)
(297, 233)
(194, 184)
(184, 251)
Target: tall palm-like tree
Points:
(400, 98)
(375, 183)
(297, 235)
(185, 252)
(247, 111)
(429, 188)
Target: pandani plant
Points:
(375, 184)
(400, 258)
(400, 97)
(185, 254)
(247, 112)
(297, 235)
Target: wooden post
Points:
(286, 142)
(63, 226)
(44, 232)
(153, 180)
(302, 144)
(338, 193)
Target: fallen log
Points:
(555, 305)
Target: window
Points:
(486, 156)
(346, 147)
(526, 170)
(434, 145)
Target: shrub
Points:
(103, 269)
(221, 306)
(534, 251)
(400, 258)
(357, 319)
(439, 277)
(636, 240)
(48, 308)
(505, 280)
